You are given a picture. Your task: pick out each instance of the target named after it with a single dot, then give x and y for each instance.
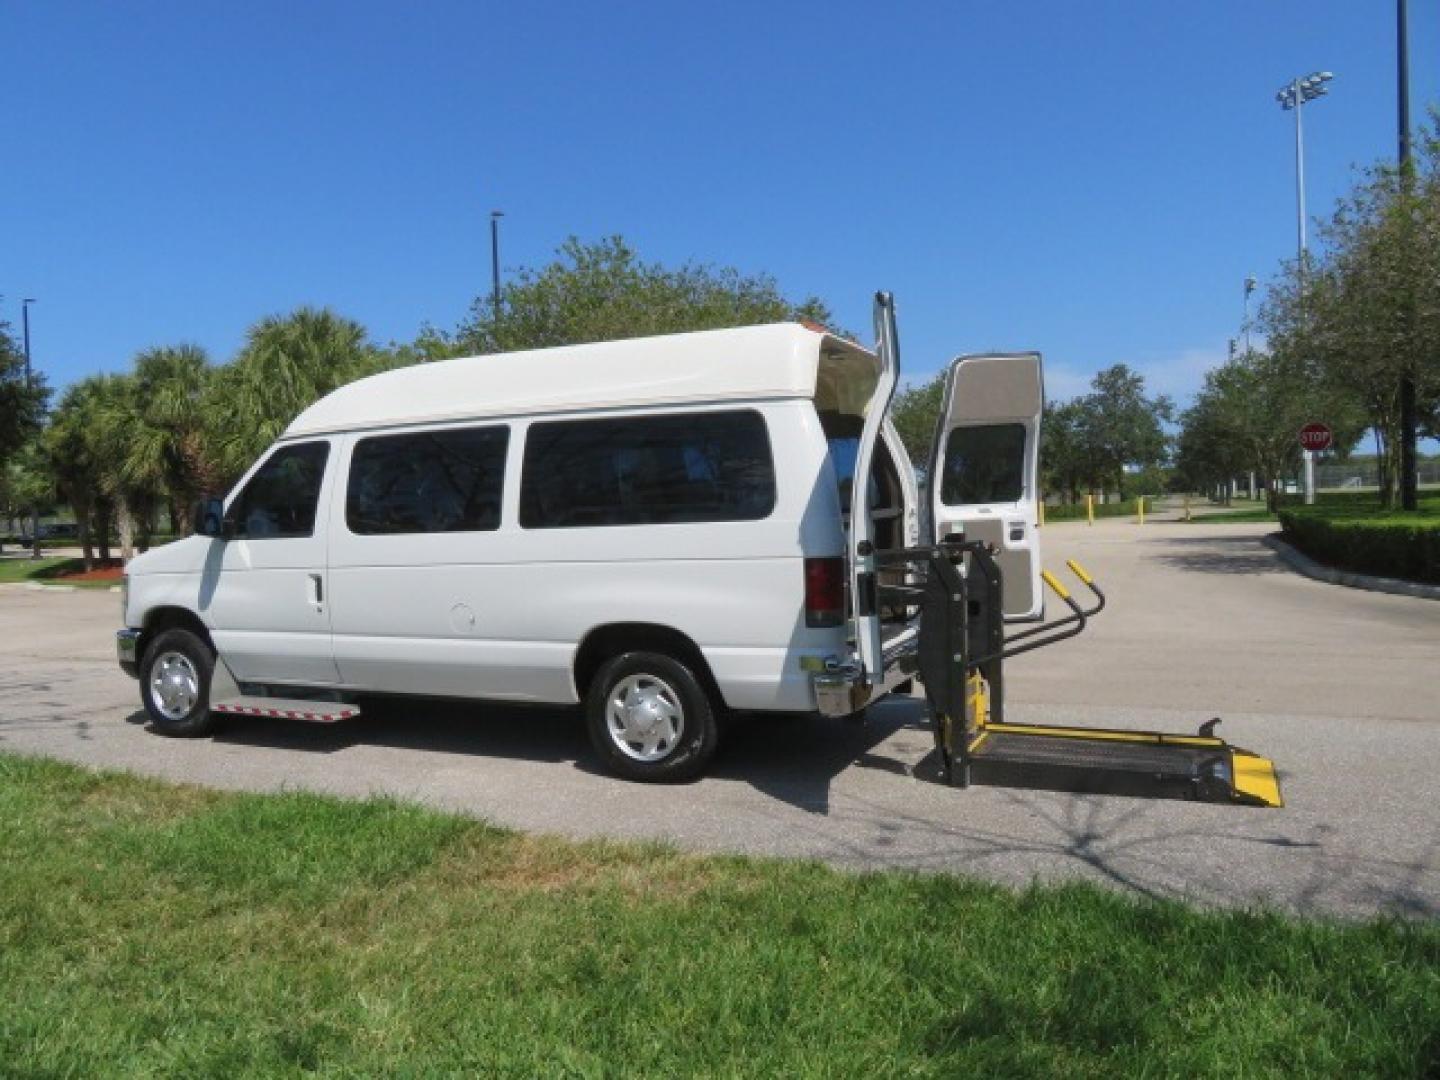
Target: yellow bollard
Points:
(1042, 514)
(1140, 507)
(1090, 509)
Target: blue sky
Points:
(1092, 179)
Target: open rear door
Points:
(863, 601)
(985, 468)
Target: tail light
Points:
(825, 592)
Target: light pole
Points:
(1409, 479)
(495, 216)
(1249, 288)
(29, 387)
(1294, 96)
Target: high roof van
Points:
(661, 530)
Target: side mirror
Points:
(210, 518)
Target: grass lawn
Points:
(47, 571)
(147, 928)
(1365, 506)
(1235, 517)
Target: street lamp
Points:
(30, 385)
(495, 216)
(1294, 96)
(25, 322)
(1245, 323)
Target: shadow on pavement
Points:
(530, 733)
(1218, 555)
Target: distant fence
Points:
(1366, 474)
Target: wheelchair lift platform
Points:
(960, 653)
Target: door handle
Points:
(317, 589)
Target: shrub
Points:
(1387, 545)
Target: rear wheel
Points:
(175, 683)
(650, 718)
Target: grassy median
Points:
(52, 570)
(148, 928)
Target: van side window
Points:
(279, 501)
(427, 482)
(644, 470)
(983, 464)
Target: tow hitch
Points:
(961, 651)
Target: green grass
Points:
(46, 571)
(1076, 511)
(1235, 517)
(153, 929)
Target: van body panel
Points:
(748, 363)
(499, 613)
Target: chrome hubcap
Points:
(174, 685)
(644, 717)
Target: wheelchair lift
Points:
(960, 659)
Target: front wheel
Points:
(650, 718)
(175, 683)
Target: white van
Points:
(658, 528)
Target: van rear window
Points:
(681, 467)
(983, 464)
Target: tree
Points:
(1066, 462)
(1366, 311)
(287, 363)
(166, 453)
(1249, 415)
(604, 292)
(88, 446)
(1119, 426)
(22, 411)
(22, 403)
(915, 412)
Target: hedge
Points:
(1385, 546)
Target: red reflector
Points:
(824, 592)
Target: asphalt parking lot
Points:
(1340, 687)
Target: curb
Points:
(1301, 563)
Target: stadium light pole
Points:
(1294, 97)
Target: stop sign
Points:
(1316, 437)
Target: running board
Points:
(317, 712)
(1202, 767)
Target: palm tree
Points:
(76, 463)
(287, 363)
(166, 453)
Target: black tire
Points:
(197, 719)
(667, 681)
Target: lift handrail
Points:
(1089, 582)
